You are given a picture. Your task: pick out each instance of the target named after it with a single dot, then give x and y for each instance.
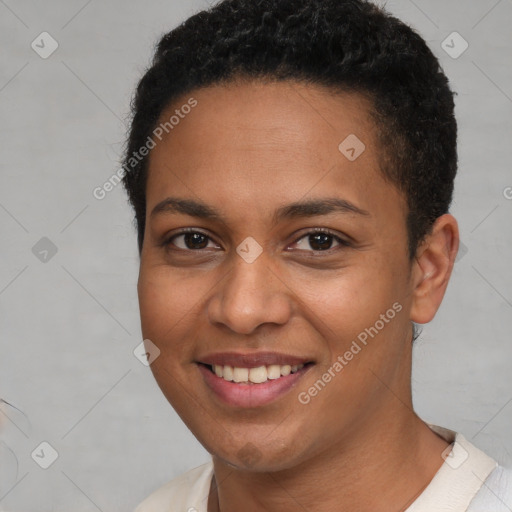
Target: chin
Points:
(259, 458)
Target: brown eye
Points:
(319, 241)
(189, 240)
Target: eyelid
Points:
(342, 241)
(167, 240)
(308, 231)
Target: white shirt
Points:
(468, 481)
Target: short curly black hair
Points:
(342, 45)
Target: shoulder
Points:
(188, 491)
(495, 493)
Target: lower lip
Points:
(250, 395)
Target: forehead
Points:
(257, 114)
(261, 141)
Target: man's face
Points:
(248, 151)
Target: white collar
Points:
(458, 480)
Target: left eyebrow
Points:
(314, 207)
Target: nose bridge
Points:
(250, 294)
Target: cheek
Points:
(167, 305)
(353, 300)
(151, 305)
(167, 319)
(367, 307)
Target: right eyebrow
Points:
(190, 207)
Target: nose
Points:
(250, 295)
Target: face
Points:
(269, 246)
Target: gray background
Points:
(69, 325)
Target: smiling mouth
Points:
(257, 375)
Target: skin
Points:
(247, 149)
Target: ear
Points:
(433, 267)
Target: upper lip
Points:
(252, 360)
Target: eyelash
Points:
(343, 243)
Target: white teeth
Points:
(240, 374)
(227, 372)
(254, 375)
(273, 371)
(286, 370)
(258, 375)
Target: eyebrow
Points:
(306, 208)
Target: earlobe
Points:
(433, 267)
